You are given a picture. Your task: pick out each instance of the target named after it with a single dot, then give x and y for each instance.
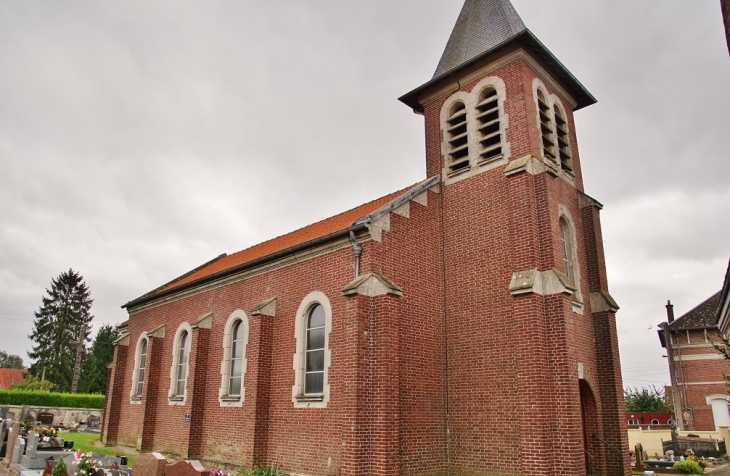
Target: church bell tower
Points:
(533, 371)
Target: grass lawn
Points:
(87, 442)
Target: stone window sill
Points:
(136, 398)
(310, 398)
(230, 398)
(175, 398)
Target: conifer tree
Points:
(62, 320)
(94, 368)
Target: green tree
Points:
(62, 321)
(9, 361)
(649, 399)
(94, 368)
(31, 382)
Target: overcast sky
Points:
(139, 139)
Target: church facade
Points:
(462, 325)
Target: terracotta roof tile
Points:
(9, 377)
(297, 237)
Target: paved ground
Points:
(721, 471)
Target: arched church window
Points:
(314, 370)
(139, 371)
(567, 246)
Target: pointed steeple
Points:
(482, 25)
(484, 30)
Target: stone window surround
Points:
(552, 101)
(298, 398)
(224, 398)
(134, 398)
(172, 397)
(470, 101)
(564, 214)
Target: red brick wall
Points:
(456, 375)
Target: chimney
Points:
(670, 312)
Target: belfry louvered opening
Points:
(546, 127)
(561, 126)
(490, 135)
(458, 138)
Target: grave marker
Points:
(186, 468)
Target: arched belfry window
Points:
(487, 115)
(546, 126)
(564, 152)
(458, 137)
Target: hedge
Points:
(51, 399)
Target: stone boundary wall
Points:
(62, 415)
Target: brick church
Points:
(461, 325)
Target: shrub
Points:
(688, 467)
(259, 470)
(51, 399)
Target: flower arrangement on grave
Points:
(87, 465)
(47, 431)
(220, 472)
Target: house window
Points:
(633, 421)
(561, 126)
(655, 422)
(566, 244)
(458, 138)
(546, 126)
(312, 358)
(233, 367)
(490, 134)
(139, 370)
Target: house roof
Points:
(332, 227)
(482, 25)
(484, 28)
(10, 376)
(723, 301)
(702, 316)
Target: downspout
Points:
(678, 417)
(356, 252)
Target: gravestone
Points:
(18, 450)
(31, 446)
(93, 421)
(150, 464)
(4, 412)
(72, 464)
(186, 468)
(12, 437)
(46, 418)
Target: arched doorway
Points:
(589, 415)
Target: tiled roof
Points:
(9, 377)
(298, 237)
(701, 317)
(482, 25)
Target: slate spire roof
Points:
(481, 26)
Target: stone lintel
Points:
(203, 322)
(267, 307)
(601, 301)
(372, 284)
(544, 283)
(158, 331)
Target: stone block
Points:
(18, 450)
(31, 445)
(186, 468)
(150, 464)
(12, 438)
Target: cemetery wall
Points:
(61, 415)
